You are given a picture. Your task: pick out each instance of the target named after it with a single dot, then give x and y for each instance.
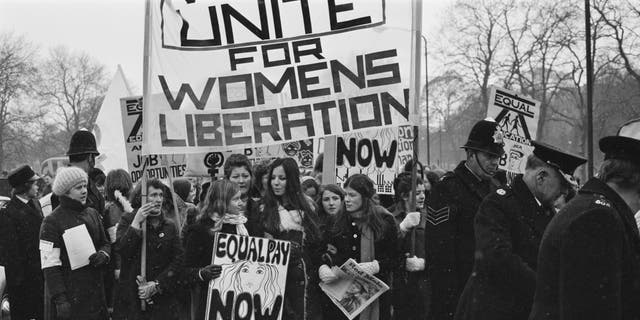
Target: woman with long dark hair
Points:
(287, 214)
(366, 233)
(163, 256)
(220, 213)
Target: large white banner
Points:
(517, 117)
(233, 74)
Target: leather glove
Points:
(98, 259)
(414, 264)
(411, 220)
(210, 272)
(370, 267)
(326, 274)
(63, 307)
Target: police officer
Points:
(589, 261)
(19, 245)
(452, 206)
(508, 228)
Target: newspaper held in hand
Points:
(79, 246)
(354, 290)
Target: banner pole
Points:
(145, 150)
(416, 46)
(329, 160)
(179, 221)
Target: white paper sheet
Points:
(79, 246)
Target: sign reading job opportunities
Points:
(133, 134)
(231, 74)
(252, 282)
(517, 117)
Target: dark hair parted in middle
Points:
(293, 198)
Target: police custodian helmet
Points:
(82, 142)
(485, 136)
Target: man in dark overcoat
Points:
(20, 223)
(589, 260)
(451, 207)
(509, 226)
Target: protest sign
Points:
(252, 282)
(379, 154)
(132, 123)
(302, 151)
(51, 165)
(237, 74)
(354, 290)
(517, 117)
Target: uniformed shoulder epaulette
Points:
(602, 201)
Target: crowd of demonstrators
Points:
(472, 248)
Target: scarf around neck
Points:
(236, 219)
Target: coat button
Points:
(161, 235)
(354, 248)
(355, 235)
(353, 224)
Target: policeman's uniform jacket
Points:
(508, 227)
(19, 240)
(589, 261)
(450, 244)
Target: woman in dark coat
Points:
(20, 223)
(163, 260)
(409, 290)
(366, 233)
(220, 213)
(73, 294)
(287, 214)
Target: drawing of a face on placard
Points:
(252, 277)
(516, 156)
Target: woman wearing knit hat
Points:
(366, 233)
(73, 293)
(164, 257)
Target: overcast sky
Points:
(111, 31)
